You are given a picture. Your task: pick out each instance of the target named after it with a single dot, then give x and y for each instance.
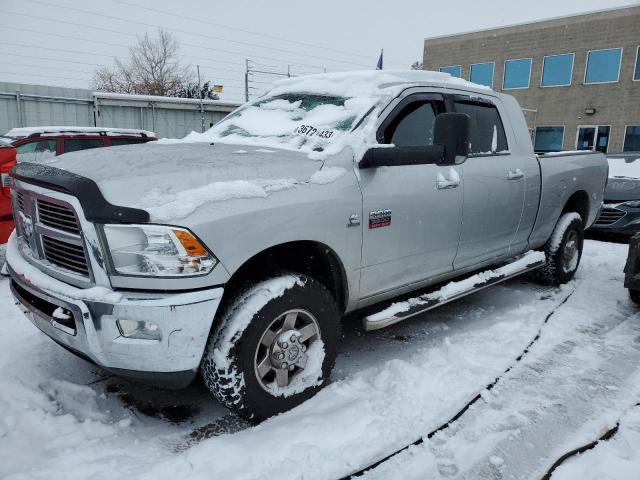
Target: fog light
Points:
(139, 330)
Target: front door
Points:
(411, 222)
(494, 186)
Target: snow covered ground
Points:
(61, 417)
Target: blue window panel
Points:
(455, 71)
(517, 73)
(557, 70)
(482, 74)
(632, 139)
(603, 66)
(636, 74)
(549, 139)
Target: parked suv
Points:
(621, 210)
(235, 253)
(38, 144)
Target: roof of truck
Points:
(73, 130)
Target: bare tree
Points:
(153, 68)
(417, 66)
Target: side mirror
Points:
(452, 132)
(397, 156)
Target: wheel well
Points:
(579, 203)
(310, 258)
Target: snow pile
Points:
(316, 113)
(50, 284)
(624, 168)
(454, 288)
(617, 458)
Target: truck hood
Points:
(622, 190)
(183, 176)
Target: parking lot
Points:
(65, 418)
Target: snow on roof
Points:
(159, 99)
(367, 82)
(58, 130)
(316, 113)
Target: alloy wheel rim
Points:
(570, 252)
(281, 354)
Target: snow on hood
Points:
(172, 181)
(317, 114)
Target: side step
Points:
(400, 311)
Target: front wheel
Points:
(274, 347)
(563, 251)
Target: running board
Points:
(400, 311)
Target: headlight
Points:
(632, 204)
(157, 251)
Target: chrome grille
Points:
(65, 255)
(20, 201)
(57, 216)
(609, 216)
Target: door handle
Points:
(515, 175)
(453, 181)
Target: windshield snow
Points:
(293, 120)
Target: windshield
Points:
(292, 120)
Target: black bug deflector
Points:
(96, 208)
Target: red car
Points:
(37, 144)
(7, 162)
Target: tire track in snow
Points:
(473, 401)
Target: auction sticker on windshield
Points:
(310, 131)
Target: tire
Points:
(251, 340)
(635, 296)
(563, 251)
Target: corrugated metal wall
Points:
(24, 105)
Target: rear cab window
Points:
(487, 134)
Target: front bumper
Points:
(183, 319)
(617, 218)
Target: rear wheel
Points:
(635, 296)
(275, 346)
(563, 251)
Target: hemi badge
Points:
(379, 219)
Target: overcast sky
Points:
(61, 42)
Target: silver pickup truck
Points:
(235, 253)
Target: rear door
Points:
(494, 185)
(410, 227)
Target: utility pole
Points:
(246, 80)
(201, 100)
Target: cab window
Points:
(413, 126)
(36, 151)
(487, 135)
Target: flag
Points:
(379, 66)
